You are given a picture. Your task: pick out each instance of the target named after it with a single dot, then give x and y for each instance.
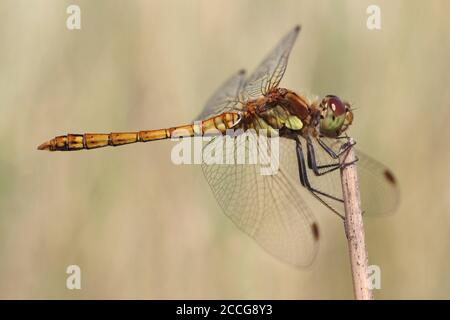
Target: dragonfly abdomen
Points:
(73, 142)
(222, 122)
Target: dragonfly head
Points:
(335, 116)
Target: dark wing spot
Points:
(390, 177)
(315, 231)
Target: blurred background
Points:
(142, 227)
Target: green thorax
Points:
(274, 118)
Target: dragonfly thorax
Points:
(279, 108)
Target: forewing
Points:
(270, 72)
(269, 208)
(225, 98)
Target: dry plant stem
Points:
(354, 228)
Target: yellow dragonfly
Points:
(312, 134)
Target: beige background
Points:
(141, 227)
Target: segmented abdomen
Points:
(72, 142)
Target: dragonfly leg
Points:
(344, 147)
(305, 181)
(312, 163)
(316, 168)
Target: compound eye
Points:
(336, 105)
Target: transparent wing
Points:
(380, 193)
(225, 98)
(378, 186)
(270, 72)
(269, 208)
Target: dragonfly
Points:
(312, 134)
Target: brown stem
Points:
(354, 227)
